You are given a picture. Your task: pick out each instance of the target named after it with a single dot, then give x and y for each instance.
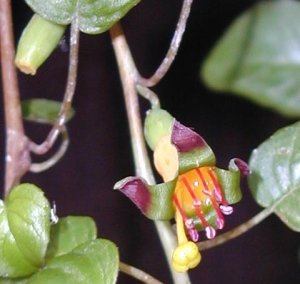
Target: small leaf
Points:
(275, 178)
(69, 233)
(24, 226)
(258, 57)
(43, 110)
(92, 262)
(95, 16)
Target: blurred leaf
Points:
(13, 281)
(275, 178)
(95, 16)
(24, 226)
(259, 57)
(69, 233)
(43, 110)
(92, 262)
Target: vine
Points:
(37, 245)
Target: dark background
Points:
(100, 153)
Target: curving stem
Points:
(45, 165)
(173, 49)
(58, 126)
(138, 274)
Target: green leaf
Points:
(92, 262)
(13, 281)
(24, 226)
(69, 233)
(275, 178)
(258, 57)
(95, 16)
(43, 110)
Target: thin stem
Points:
(239, 230)
(43, 166)
(68, 96)
(138, 274)
(173, 49)
(17, 158)
(149, 95)
(128, 75)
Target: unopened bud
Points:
(38, 40)
(158, 123)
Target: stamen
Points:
(189, 223)
(178, 206)
(193, 233)
(196, 202)
(220, 219)
(218, 192)
(220, 223)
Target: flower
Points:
(195, 191)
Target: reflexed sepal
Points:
(153, 200)
(230, 179)
(237, 164)
(193, 151)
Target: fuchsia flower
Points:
(195, 191)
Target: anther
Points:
(226, 210)
(210, 232)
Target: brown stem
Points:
(43, 166)
(68, 96)
(173, 49)
(138, 274)
(128, 75)
(17, 158)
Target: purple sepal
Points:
(185, 139)
(238, 164)
(136, 190)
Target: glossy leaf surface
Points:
(69, 233)
(95, 16)
(92, 262)
(42, 110)
(24, 226)
(258, 57)
(275, 178)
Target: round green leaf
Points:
(275, 177)
(69, 233)
(95, 16)
(258, 57)
(24, 227)
(43, 110)
(92, 262)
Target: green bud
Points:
(38, 40)
(158, 123)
